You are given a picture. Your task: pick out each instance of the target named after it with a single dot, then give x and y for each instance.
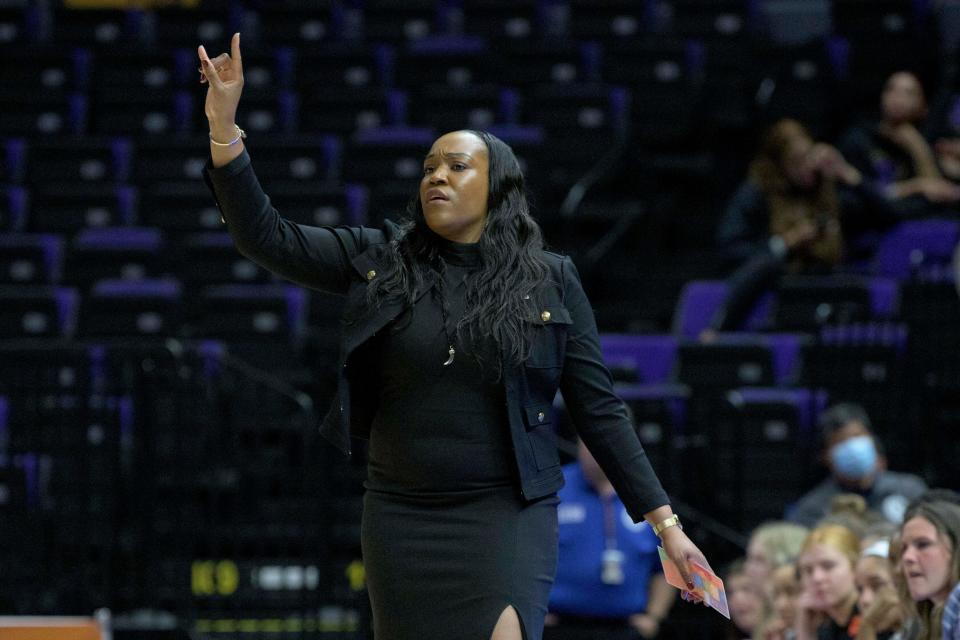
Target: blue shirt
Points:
(578, 588)
(951, 615)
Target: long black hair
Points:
(512, 263)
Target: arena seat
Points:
(31, 258)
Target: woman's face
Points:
(796, 164)
(925, 559)
(785, 592)
(455, 186)
(902, 99)
(745, 600)
(872, 578)
(758, 565)
(826, 575)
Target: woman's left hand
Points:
(682, 551)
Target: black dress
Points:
(448, 543)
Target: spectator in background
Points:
(609, 579)
(772, 545)
(797, 210)
(826, 608)
(780, 615)
(746, 600)
(856, 466)
(929, 562)
(892, 153)
(881, 612)
(850, 510)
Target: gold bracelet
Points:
(241, 134)
(672, 521)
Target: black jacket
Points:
(565, 351)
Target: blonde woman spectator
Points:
(826, 608)
(772, 545)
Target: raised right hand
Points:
(224, 75)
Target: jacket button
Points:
(545, 316)
(371, 274)
(541, 416)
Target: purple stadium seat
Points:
(30, 258)
(211, 353)
(807, 403)
(651, 356)
(133, 307)
(4, 432)
(786, 355)
(79, 159)
(253, 311)
(13, 208)
(212, 258)
(914, 245)
(884, 298)
(762, 447)
(700, 300)
(116, 252)
(743, 352)
(396, 136)
(306, 202)
(673, 396)
(38, 311)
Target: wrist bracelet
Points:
(241, 134)
(672, 521)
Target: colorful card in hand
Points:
(706, 585)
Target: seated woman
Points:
(796, 212)
(929, 564)
(893, 153)
(881, 612)
(826, 609)
(780, 615)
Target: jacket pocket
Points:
(538, 420)
(548, 337)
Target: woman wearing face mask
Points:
(826, 608)
(930, 565)
(856, 466)
(458, 329)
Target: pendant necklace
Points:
(444, 314)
